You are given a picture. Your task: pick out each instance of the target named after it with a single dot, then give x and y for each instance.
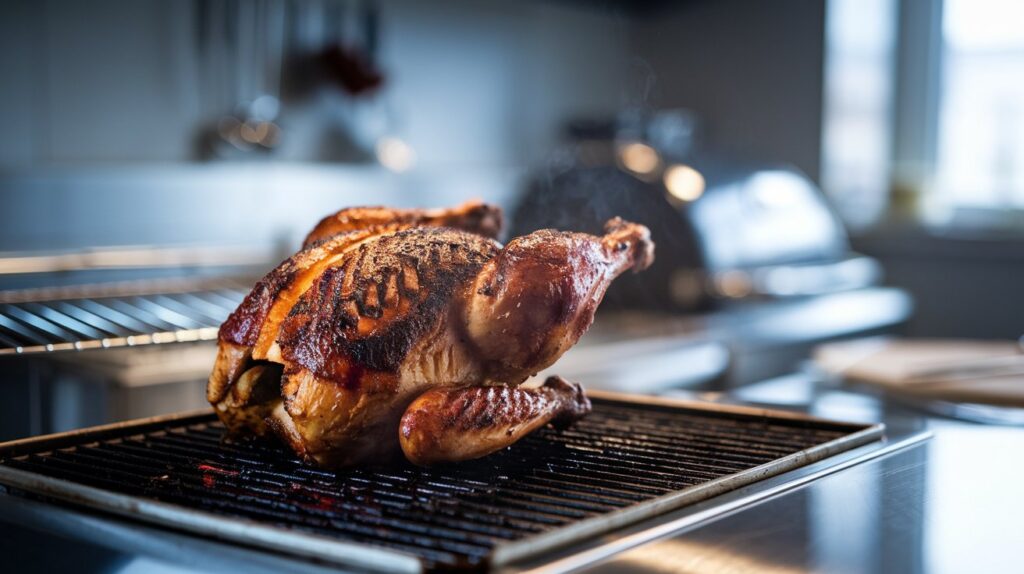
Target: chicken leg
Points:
(455, 424)
(534, 300)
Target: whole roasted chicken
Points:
(413, 329)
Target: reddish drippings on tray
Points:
(318, 500)
(211, 472)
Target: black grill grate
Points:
(121, 315)
(454, 516)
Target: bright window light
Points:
(980, 151)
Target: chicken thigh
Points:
(333, 346)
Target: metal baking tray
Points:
(631, 459)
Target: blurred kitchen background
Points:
(812, 171)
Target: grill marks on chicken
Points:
(330, 348)
(380, 300)
(250, 332)
(368, 335)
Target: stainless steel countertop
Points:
(948, 504)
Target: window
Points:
(858, 99)
(924, 110)
(980, 152)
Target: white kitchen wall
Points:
(752, 71)
(102, 102)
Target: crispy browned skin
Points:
(348, 341)
(455, 424)
(386, 313)
(279, 289)
(379, 300)
(473, 216)
(250, 332)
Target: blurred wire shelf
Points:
(113, 315)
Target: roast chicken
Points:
(411, 331)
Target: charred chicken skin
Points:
(411, 331)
